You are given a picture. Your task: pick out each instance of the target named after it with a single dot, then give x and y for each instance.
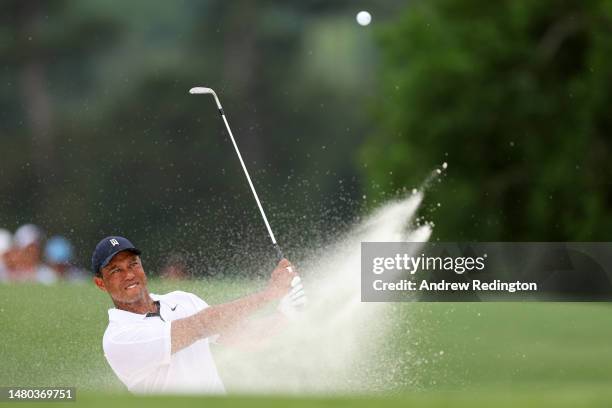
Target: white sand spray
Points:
(332, 347)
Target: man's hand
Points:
(221, 318)
(292, 302)
(280, 281)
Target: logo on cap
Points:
(114, 242)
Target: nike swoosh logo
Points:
(173, 308)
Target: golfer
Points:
(160, 343)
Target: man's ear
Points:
(99, 283)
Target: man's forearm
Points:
(215, 319)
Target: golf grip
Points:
(279, 253)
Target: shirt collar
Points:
(118, 315)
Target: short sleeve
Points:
(201, 305)
(137, 349)
(198, 302)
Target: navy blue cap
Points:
(107, 248)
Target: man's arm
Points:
(218, 318)
(256, 333)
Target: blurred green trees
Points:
(516, 97)
(47, 50)
(99, 136)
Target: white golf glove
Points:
(292, 302)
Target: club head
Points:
(201, 90)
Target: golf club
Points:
(202, 90)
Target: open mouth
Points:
(132, 285)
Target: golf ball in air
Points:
(364, 18)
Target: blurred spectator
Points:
(59, 254)
(175, 267)
(6, 241)
(27, 266)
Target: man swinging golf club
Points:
(160, 343)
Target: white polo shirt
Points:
(138, 349)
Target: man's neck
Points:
(142, 306)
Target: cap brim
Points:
(110, 257)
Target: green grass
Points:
(486, 398)
(533, 345)
(470, 354)
(53, 335)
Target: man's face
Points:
(124, 278)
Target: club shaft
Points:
(205, 90)
(248, 177)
